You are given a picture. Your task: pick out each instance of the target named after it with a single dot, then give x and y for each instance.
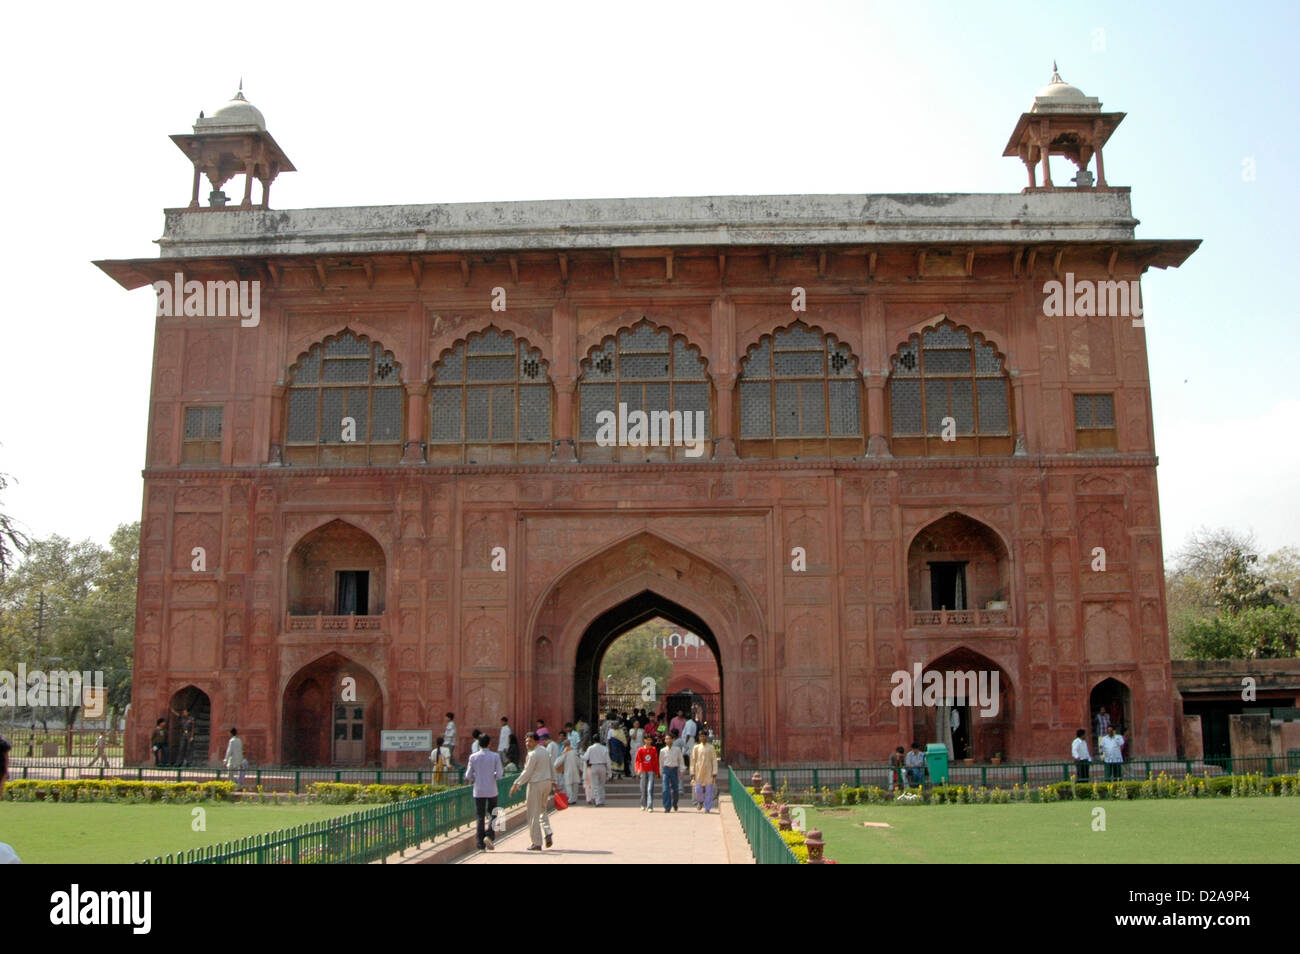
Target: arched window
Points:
(490, 400)
(949, 383)
(800, 396)
(345, 404)
(650, 371)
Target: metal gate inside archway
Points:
(704, 707)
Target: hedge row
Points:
(339, 793)
(1161, 786)
(115, 790)
(121, 790)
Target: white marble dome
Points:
(237, 112)
(1058, 96)
(1060, 91)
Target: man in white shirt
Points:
(1112, 753)
(503, 742)
(449, 736)
(235, 757)
(539, 776)
(1082, 759)
(597, 759)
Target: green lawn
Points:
(108, 833)
(1162, 831)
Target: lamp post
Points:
(40, 633)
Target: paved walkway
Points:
(620, 833)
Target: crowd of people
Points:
(649, 747)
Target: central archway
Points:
(643, 575)
(605, 629)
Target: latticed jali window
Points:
(651, 371)
(800, 396)
(202, 440)
(345, 404)
(1094, 422)
(490, 400)
(947, 383)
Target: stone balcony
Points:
(964, 617)
(319, 623)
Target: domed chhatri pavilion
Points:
(406, 502)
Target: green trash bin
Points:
(936, 760)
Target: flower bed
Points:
(795, 839)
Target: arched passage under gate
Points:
(605, 629)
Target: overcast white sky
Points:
(381, 103)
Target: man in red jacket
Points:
(647, 767)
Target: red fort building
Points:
(848, 442)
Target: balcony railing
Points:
(964, 617)
(320, 623)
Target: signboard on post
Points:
(406, 740)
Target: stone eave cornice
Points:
(609, 224)
(1056, 462)
(1019, 259)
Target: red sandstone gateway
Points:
(396, 478)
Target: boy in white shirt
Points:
(670, 767)
(1079, 752)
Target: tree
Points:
(1225, 603)
(1283, 566)
(83, 598)
(101, 633)
(1258, 632)
(634, 657)
(1237, 583)
(12, 540)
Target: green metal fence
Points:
(357, 838)
(806, 777)
(764, 841)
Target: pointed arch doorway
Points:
(973, 713)
(606, 628)
(333, 714)
(638, 577)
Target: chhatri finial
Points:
(1056, 74)
(239, 94)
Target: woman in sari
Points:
(618, 751)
